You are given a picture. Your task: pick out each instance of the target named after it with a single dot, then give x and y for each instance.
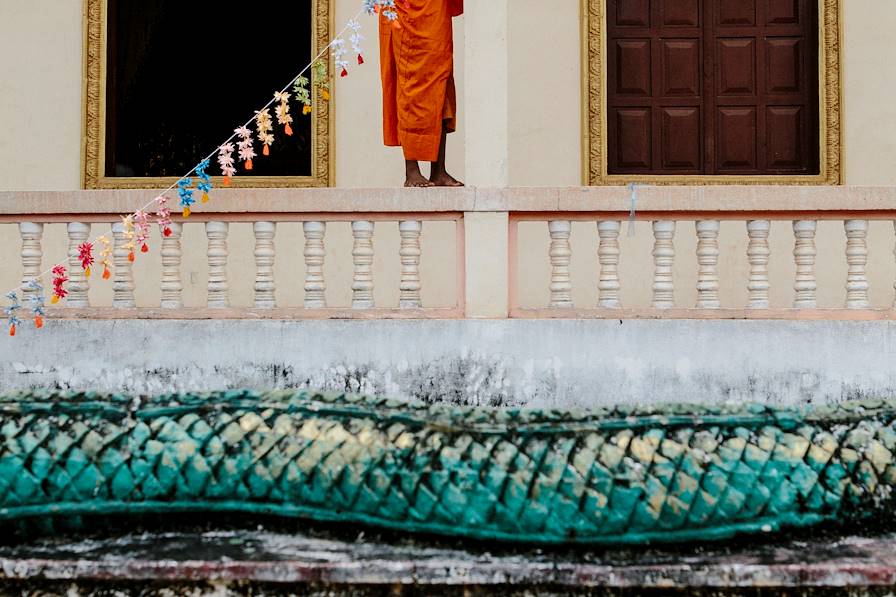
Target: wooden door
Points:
(727, 87)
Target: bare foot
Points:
(416, 179)
(443, 179)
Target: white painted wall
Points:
(553, 363)
(40, 94)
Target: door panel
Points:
(784, 127)
(735, 66)
(783, 12)
(783, 68)
(632, 134)
(681, 67)
(631, 13)
(683, 13)
(681, 141)
(632, 67)
(736, 140)
(712, 87)
(736, 12)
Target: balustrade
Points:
(663, 260)
(78, 284)
(561, 255)
(707, 257)
(172, 285)
(315, 284)
(217, 257)
(657, 287)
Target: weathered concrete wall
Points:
(564, 363)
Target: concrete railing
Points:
(486, 252)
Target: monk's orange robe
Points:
(417, 62)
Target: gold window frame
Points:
(94, 113)
(594, 114)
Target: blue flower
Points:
(185, 193)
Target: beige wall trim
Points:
(710, 314)
(280, 313)
(594, 117)
(94, 97)
(738, 202)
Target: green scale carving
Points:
(609, 476)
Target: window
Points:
(697, 90)
(177, 78)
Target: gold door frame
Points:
(594, 114)
(94, 113)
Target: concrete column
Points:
(486, 264)
(486, 65)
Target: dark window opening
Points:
(181, 75)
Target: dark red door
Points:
(712, 87)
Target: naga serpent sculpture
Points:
(609, 476)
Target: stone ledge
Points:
(259, 556)
(393, 203)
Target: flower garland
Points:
(11, 312)
(185, 193)
(265, 127)
(163, 215)
(142, 221)
(225, 160)
(247, 152)
(303, 95)
(85, 256)
(106, 256)
(127, 224)
(356, 39)
(37, 302)
(59, 280)
(205, 180)
(282, 111)
(339, 60)
(319, 79)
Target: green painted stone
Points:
(611, 476)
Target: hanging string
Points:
(59, 269)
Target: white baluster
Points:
(218, 288)
(77, 284)
(172, 285)
(315, 285)
(856, 258)
(804, 252)
(362, 256)
(561, 255)
(410, 264)
(758, 252)
(123, 276)
(32, 255)
(608, 255)
(708, 264)
(663, 260)
(264, 264)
